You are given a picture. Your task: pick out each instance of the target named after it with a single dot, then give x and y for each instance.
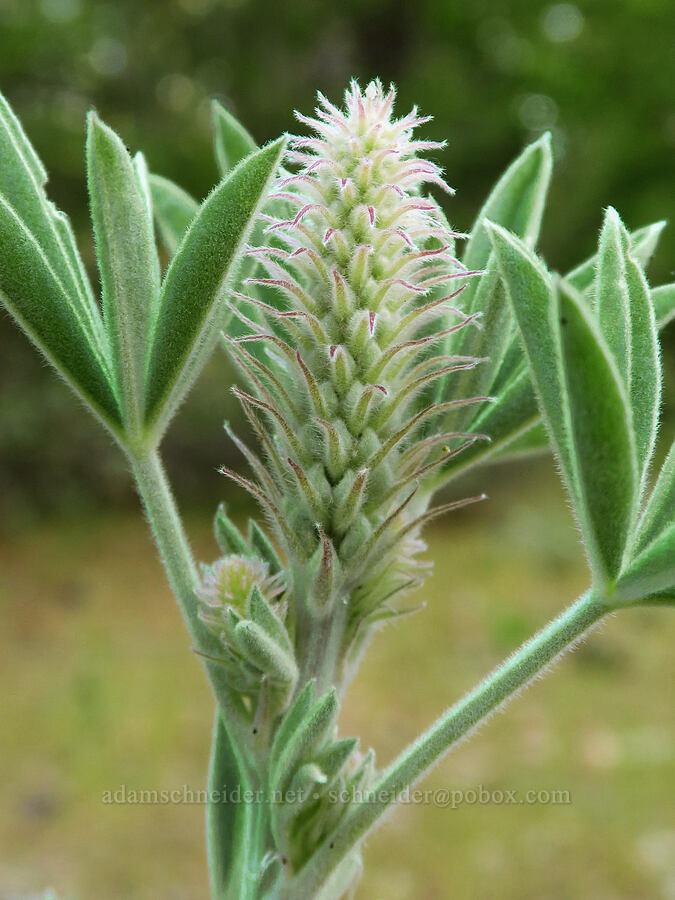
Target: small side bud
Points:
(261, 612)
(259, 649)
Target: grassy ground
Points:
(99, 690)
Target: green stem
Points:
(167, 529)
(176, 556)
(504, 683)
(230, 764)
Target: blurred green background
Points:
(98, 686)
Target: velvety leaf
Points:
(653, 571)
(601, 437)
(660, 507)
(532, 295)
(221, 815)
(665, 598)
(84, 302)
(488, 342)
(232, 826)
(143, 179)
(193, 292)
(228, 536)
(582, 400)
(536, 438)
(516, 202)
(261, 545)
(612, 303)
(231, 140)
(512, 362)
(36, 298)
(512, 413)
(22, 182)
(127, 260)
(270, 880)
(663, 301)
(644, 383)
(643, 243)
(174, 210)
(306, 739)
(262, 651)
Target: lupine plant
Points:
(377, 363)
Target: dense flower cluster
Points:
(344, 357)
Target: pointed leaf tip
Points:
(193, 309)
(232, 142)
(582, 399)
(127, 260)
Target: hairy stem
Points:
(174, 550)
(167, 529)
(229, 743)
(500, 686)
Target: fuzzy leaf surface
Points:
(127, 259)
(660, 507)
(601, 438)
(221, 815)
(582, 399)
(663, 301)
(192, 306)
(516, 202)
(34, 295)
(22, 185)
(231, 140)
(653, 570)
(174, 210)
(643, 242)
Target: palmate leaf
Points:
(35, 297)
(192, 304)
(516, 202)
(22, 183)
(127, 260)
(43, 283)
(626, 319)
(622, 301)
(582, 399)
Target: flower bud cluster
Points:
(241, 603)
(344, 360)
(313, 775)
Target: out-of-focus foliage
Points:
(598, 74)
